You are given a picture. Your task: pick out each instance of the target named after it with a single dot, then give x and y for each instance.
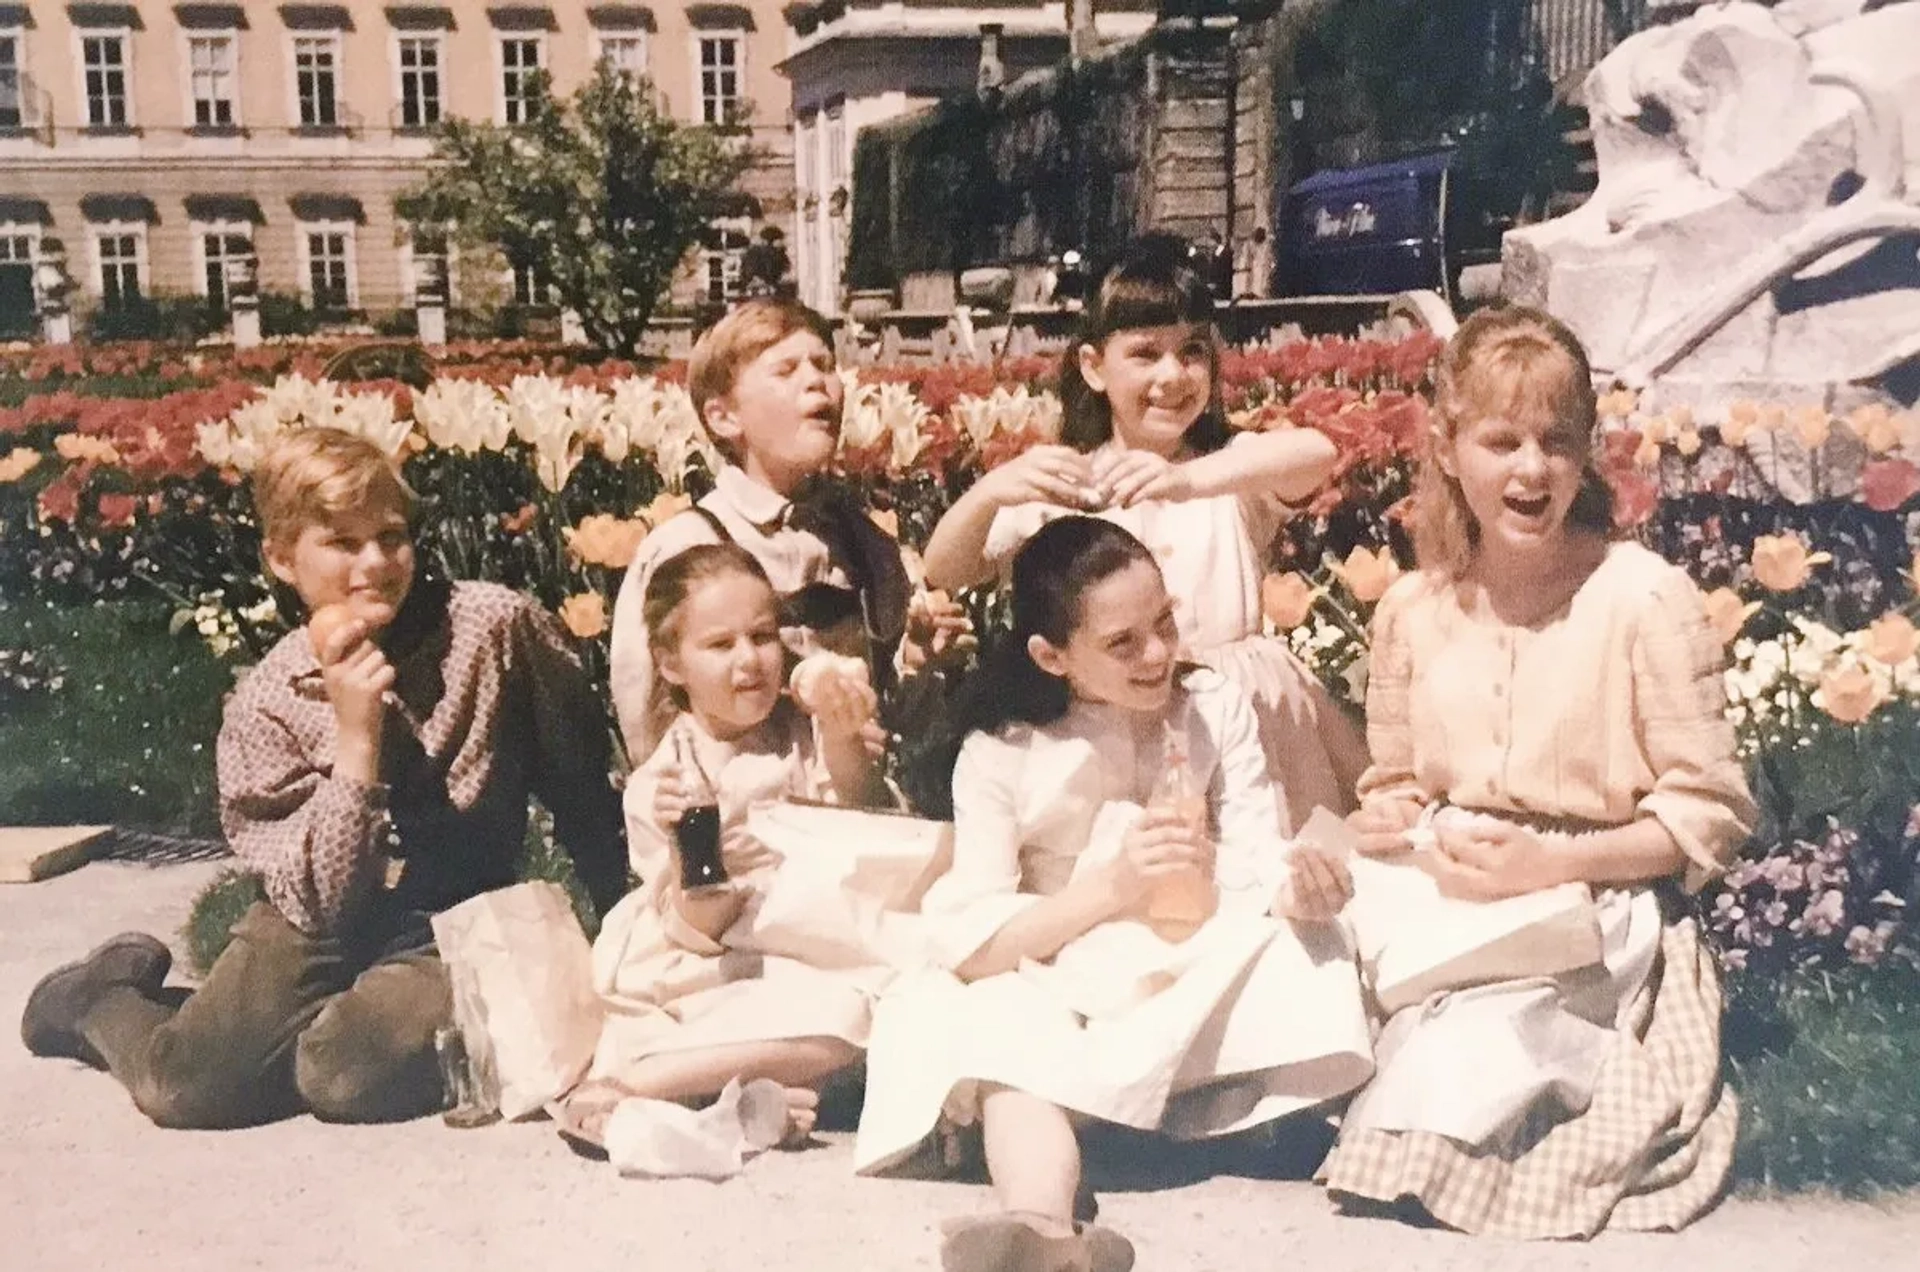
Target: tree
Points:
(602, 193)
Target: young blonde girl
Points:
(1066, 994)
(684, 1017)
(1145, 445)
(1567, 686)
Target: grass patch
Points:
(128, 737)
(1827, 1067)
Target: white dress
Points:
(666, 986)
(1213, 554)
(1247, 1020)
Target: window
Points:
(804, 133)
(12, 94)
(625, 53)
(532, 284)
(727, 240)
(210, 68)
(328, 253)
(519, 78)
(836, 141)
(428, 258)
(103, 60)
(316, 64)
(17, 258)
(719, 78)
(223, 248)
(120, 250)
(419, 81)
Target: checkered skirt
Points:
(1652, 1151)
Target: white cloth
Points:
(1246, 1020)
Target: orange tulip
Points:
(1813, 425)
(1850, 695)
(1742, 419)
(18, 462)
(1891, 640)
(605, 540)
(1782, 563)
(1286, 599)
(1876, 426)
(79, 446)
(1368, 575)
(1727, 613)
(585, 614)
(1687, 441)
(665, 504)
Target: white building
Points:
(854, 63)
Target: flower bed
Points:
(546, 476)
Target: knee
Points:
(344, 1074)
(187, 1102)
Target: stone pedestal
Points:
(246, 322)
(56, 326)
(572, 330)
(431, 321)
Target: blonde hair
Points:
(309, 475)
(748, 331)
(1511, 361)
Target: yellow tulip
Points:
(1687, 441)
(79, 446)
(1727, 613)
(1850, 694)
(1368, 575)
(585, 614)
(1286, 599)
(1891, 640)
(1772, 418)
(1782, 563)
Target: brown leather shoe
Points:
(1009, 1243)
(50, 1026)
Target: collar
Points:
(762, 505)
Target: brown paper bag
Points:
(522, 974)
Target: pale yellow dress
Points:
(1608, 711)
(1248, 1019)
(669, 988)
(1213, 554)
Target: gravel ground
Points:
(85, 1182)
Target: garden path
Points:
(85, 1182)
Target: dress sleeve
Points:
(1391, 775)
(317, 839)
(1700, 788)
(1262, 512)
(980, 892)
(1252, 848)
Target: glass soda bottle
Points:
(1180, 903)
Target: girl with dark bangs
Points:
(1145, 444)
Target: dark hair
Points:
(1052, 574)
(674, 580)
(1153, 285)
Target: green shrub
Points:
(219, 906)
